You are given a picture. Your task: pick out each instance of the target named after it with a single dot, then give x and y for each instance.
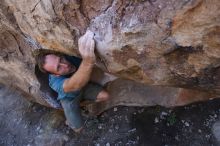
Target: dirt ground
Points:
(25, 124)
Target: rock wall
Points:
(171, 43)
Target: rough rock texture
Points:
(152, 42)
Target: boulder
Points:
(162, 52)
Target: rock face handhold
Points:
(164, 43)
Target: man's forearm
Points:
(80, 78)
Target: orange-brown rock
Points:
(163, 52)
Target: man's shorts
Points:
(72, 106)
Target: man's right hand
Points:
(81, 77)
(86, 47)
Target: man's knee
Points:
(103, 96)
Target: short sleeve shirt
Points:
(56, 82)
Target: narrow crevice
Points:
(106, 9)
(35, 6)
(184, 50)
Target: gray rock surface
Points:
(216, 130)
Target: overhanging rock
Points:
(169, 49)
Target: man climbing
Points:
(69, 77)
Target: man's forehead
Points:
(51, 56)
(50, 62)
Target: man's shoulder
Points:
(56, 81)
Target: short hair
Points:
(40, 59)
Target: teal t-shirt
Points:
(56, 83)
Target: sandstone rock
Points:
(172, 45)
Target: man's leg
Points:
(102, 96)
(95, 92)
(72, 113)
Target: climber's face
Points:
(58, 65)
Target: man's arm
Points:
(81, 77)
